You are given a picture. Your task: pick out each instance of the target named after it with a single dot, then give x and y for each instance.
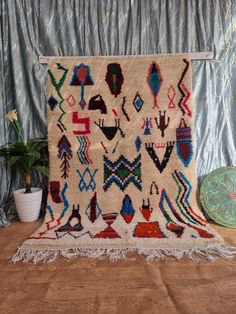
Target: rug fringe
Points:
(210, 253)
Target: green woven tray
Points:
(218, 196)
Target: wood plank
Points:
(205, 55)
(91, 286)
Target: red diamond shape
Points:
(71, 101)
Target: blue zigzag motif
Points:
(189, 188)
(83, 150)
(122, 172)
(73, 235)
(50, 210)
(65, 201)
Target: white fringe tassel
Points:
(210, 253)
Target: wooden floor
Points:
(91, 286)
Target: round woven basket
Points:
(218, 196)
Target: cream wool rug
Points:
(122, 170)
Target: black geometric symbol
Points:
(160, 165)
(110, 131)
(97, 103)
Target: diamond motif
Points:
(93, 211)
(171, 95)
(52, 102)
(138, 102)
(71, 101)
(154, 81)
(138, 143)
(82, 104)
(127, 210)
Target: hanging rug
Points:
(122, 171)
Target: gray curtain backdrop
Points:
(118, 27)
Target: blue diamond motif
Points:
(52, 102)
(137, 102)
(138, 143)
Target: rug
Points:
(122, 169)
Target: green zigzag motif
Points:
(58, 86)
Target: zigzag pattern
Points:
(187, 96)
(201, 232)
(122, 172)
(181, 197)
(49, 225)
(60, 124)
(83, 150)
(185, 188)
(73, 235)
(171, 225)
(58, 86)
(184, 181)
(180, 86)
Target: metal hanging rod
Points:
(207, 55)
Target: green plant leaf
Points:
(34, 154)
(36, 145)
(13, 160)
(42, 170)
(29, 157)
(19, 147)
(5, 151)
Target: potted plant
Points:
(27, 157)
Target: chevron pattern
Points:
(122, 172)
(185, 101)
(181, 87)
(181, 218)
(182, 199)
(82, 152)
(65, 154)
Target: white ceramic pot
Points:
(28, 205)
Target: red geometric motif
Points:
(71, 101)
(115, 112)
(171, 95)
(108, 232)
(160, 145)
(177, 229)
(184, 143)
(187, 96)
(84, 121)
(146, 210)
(162, 124)
(54, 187)
(93, 208)
(148, 230)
